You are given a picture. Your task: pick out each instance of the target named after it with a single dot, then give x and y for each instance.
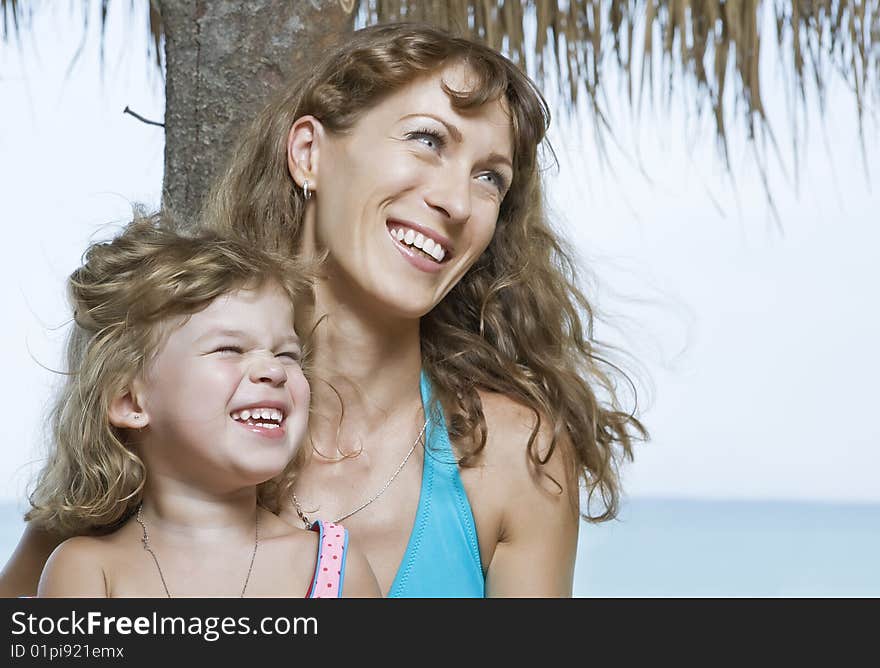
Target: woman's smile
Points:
(418, 249)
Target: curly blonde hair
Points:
(517, 323)
(122, 295)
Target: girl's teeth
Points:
(429, 246)
(257, 414)
(409, 237)
(419, 241)
(400, 234)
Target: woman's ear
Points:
(126, 412)
(303, 150)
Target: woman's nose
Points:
(451, 194)
(268, 370)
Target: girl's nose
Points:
(268, 370)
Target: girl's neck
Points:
(188, 513)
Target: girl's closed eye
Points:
(229, 350)
(293, 355)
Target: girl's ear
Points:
(303, 149)
(126, 412)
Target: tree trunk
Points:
(223, 59)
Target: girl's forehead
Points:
(262, 310)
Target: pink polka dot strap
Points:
(330, 567)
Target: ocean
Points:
(698, 548)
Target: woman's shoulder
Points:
(531, 499)
(510, 425)
(513, 477)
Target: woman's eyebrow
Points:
(456, 135)
(453, 130)
(498, 158)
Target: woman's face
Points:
(408, 199)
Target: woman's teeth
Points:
(421, 242)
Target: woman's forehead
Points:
(425, 97)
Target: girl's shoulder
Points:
(77, 567)
(325, 560)
(287, 541)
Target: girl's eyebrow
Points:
(223, 331)
(239, 334)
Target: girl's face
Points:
(225, 400)
(408, 199)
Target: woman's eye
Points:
(498, 180)
(294, 356)
(432, 138)
(229, 350)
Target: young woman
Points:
(447, 311)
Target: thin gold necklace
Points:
(146, 542)
(305, 518)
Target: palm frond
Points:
(715, 45)
(17, 17)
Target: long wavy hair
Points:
(124, 297)
(516, 323)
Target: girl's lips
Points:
(275, 433)
(415, 257)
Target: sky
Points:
(752, 339)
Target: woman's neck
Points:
(365, 364)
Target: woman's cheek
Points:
(300, 389)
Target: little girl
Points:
(185, 395)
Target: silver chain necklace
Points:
(305, 518)
(146, 542)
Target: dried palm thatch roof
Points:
(714, 44)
